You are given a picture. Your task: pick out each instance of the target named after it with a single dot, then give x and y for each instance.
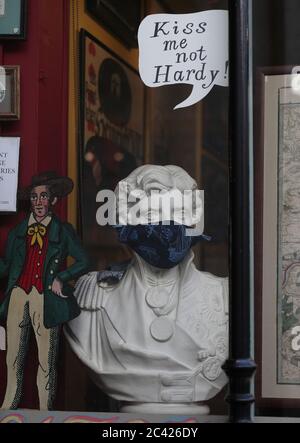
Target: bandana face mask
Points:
(163, 246)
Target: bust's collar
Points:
(153, 276)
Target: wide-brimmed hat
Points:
(60, 186)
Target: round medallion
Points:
(162, 329)
(212, 368)
(156, 298)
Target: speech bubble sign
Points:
(185, 49)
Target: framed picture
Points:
(10, 93)
(111, 141)
(13, 19)
(277, 238)
(118, 18)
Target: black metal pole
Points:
(240, 367)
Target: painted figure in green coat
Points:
(38, 296)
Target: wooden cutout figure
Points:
(38, 296)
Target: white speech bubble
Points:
(186, 49)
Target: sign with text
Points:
(9, 166)
(185, 49)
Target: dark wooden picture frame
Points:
(117, 18)
(265, 404)
(121, 124)
(12, 75)
(21, 34)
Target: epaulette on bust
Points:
(113, 274)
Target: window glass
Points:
(136, 126)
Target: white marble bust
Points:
(158, 336)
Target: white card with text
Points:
(9, 168)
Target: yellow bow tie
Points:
(37, 232)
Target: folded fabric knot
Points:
(37, 232)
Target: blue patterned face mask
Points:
(163, 246)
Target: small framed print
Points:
(13, 19)
(9, 93)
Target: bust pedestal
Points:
(165, 408)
